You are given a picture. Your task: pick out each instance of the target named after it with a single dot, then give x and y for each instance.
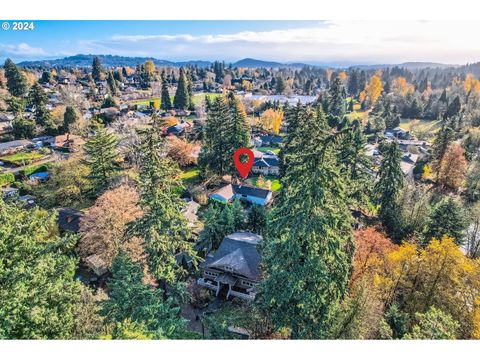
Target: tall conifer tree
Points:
(308, 244)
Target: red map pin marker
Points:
(243, 167)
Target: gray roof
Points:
(266, 161)
(237, 251)
(69, 219)
(14, 144)
(251, 191)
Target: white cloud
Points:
(330, 41)
(20, 50)
(345, 41)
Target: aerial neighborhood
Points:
(122, 214)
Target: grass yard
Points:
(190, 176)
(21, 158)
(275, 182)
(197, 99)
(362, 116)
(272, 149)
(425, 128)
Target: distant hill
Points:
(413, 65)
(116, 61)
(107, 61)
(254, 63)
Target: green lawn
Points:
(267, 148)
(190, 176)
(427, 127)
(197, 99)
(20, 158)
(275, 182)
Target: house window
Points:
(210, 273)
(247, 283)
(228, 268)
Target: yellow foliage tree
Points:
(401, 87)
(439, 275)
(373, 90)
(271, 120)
(149, 66)
(427, 172)
(470, 84)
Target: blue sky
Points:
(345, 42)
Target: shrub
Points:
(6, 179)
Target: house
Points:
(42, 141)
(28, 200)
(9, 192)
(266, 165)
(270, 140)
(40, 176)
(398, 133)
(250, 194)
(190, 212)
(69, 219)
(256, 141)
(6, 123)
(96, 264)
(177, 129)
(407, 164)
(67, 141)
(14, 146)
(234, 269)
(224, 194)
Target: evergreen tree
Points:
(69, 117)
(220, 222)
(23, 128)
(446, 220)
(353, 85)
(355, 164)
(181, 100)
(440, 145)
(166, 103)
(162, 226)
(280, 85)
(225, 131)
(388, 187)
(257, 219)
(238, 216)
(16, 105)
(39, 99)
(307, 248)
(336, 102)
(46, 77)
(293, 116)
(453, 108)
(111, 83)
(39, 292)
(101, 157)
(97, 69)
(16, 81)
(131, 299)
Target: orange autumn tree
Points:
(439, 275)
(103, 225)
(373, 90)
(363, 308)
(453, 167)
(182, 151)
(372, 248)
